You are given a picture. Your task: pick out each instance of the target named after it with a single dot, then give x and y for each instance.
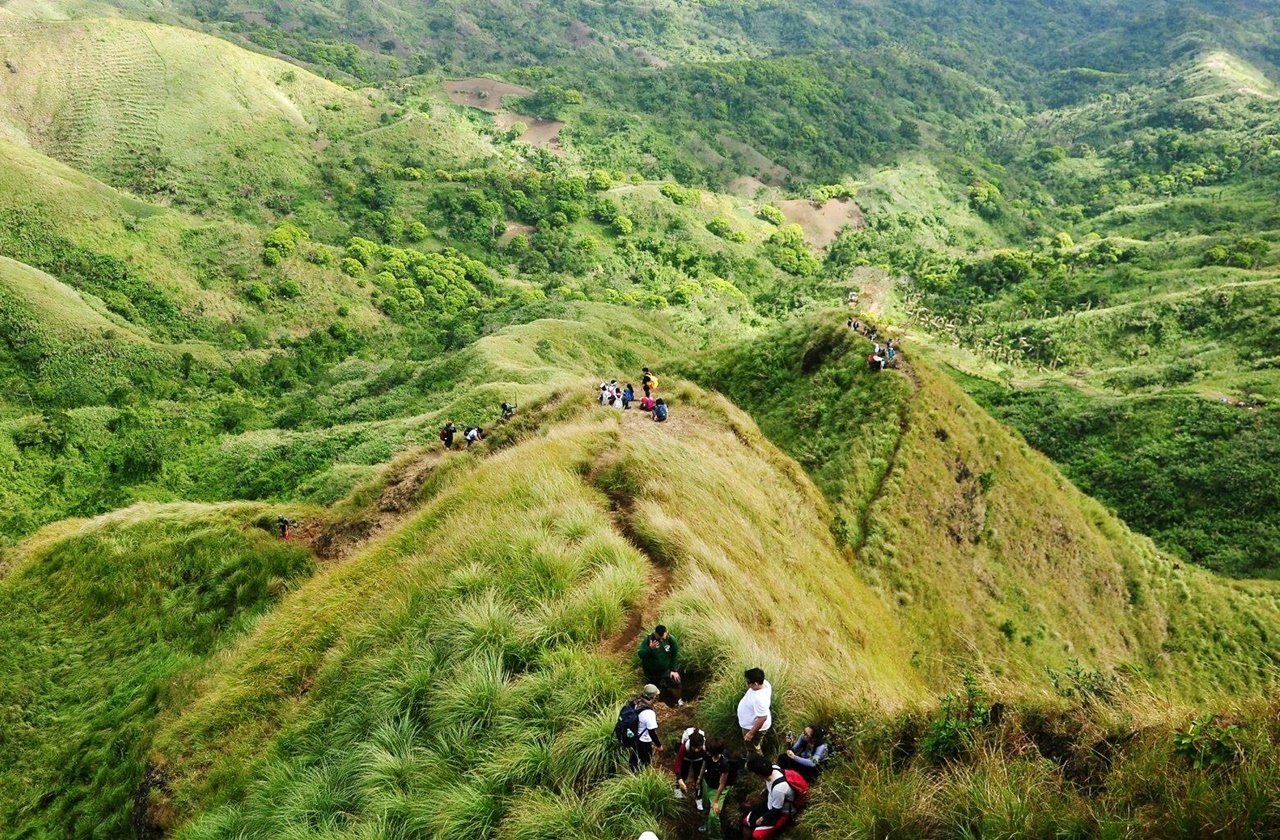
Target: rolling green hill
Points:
(254, 256)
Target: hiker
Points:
(604, 393)
(648, 731)
(648, 835)
(660, 411)
(784, 794)
(722, 770)
(853, 298)
(648, 382)
(628, 396)
(508, 411)
(875, 363)
(647, 403)
(474, 434)
(691, 765)
(754, 716)
(285, 525)
(637, 728)
(618, 402)
(806, 753)
(660, 658)
(446, 435)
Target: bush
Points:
(257, 292)
(772, 215)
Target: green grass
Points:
(104, 622)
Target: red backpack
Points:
(799, 788)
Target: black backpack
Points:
(627, 729)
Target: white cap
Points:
(648, 835)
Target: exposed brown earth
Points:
(482, 93)
(822, 223)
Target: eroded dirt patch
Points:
(537, 132)
(822, 223)
(486, 94)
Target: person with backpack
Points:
(647, 403)
(648, 382)
(691, 764)
(508, 411)
(806, 753)
(660, 659)
(446, 435)
(754, 715)
(660, 411)
(785, 793)
(637, 728)
(285, 526)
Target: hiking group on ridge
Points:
(615, 395)
(705, 767)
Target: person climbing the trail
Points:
(447, 433)
(806, 753)
(754, 715)
(660, 411)
(784, 795)
(473, 435)
(636, 718)
(648, 382)
(853, 298)
(722, 771)
(647, 403)
(628, 396)
(691, 765)
(647, 741)
(660, 660)
(508, 411)
(285, 526)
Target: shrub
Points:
(772, 215)
(288, 289)
(257, 292)
(1207, 742)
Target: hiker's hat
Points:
(648, 835)
(650, 691)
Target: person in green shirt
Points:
(660, 659)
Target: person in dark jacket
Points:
(660, 658)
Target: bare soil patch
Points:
(513, 230)
(538, 132)
(747, 186)
(485, 94)
(822, 223)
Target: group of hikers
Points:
(882, 355)
(473, 434)
(619, 396)
(706, 767)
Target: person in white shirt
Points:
(648, 740)
(754, 716)
(776, 809)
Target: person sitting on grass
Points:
(647, 403)
(774, 810)
(660, 659)
(806, 753)
(691, 764)
(660, 411)
(628, 396)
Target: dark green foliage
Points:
(1208, 742)
(951, 734)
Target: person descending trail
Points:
(447, 433)
(806, 753)
(691, 765)
(754, 715)
(660, 411)
(285, 526)
(660, 659)
(785, 793)
(722, 771)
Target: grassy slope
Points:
(102, 620)
(951, 538)
(542, 550)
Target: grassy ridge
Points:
(103, 621)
